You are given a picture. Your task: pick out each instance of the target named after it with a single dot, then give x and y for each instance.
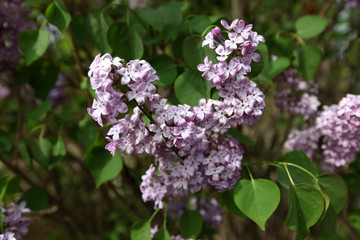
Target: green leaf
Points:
(125, 41)
(58, 152)
(190, 88)
(335, 188)
(33, 44)
(307, 58)
(354, 219)
(165, 69)
(5, 141)
(190, 223)
(102, 165)
(24, 153)
(199, 23)
(98, 26)
(256, 67)
(353, 182)
(257, 199)
(283, 44)
(238, 135)
(40, 111)
(263, 76)
(194, 54)
(166, 19)
(229, 204)
(80, 32)
(162, 234)
(306, 205)
(36, 199)
(278, 66)
(30, 3)
(13, 187)
(310, 26)
(57, 15)
(43, 76)
(3, 186)
(41, 151)
(298, 175)
(140, 230)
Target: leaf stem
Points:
(251, 177)
(289, 175)
(282, 163)
(154, 214)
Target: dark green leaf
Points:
(310, 26)
(229, 204)
(307, 58)
(40, 111)
(190, 88)
(306, 205)
(278, 66)
(57, 15)
(283, 45)
(194, 54)
(102, 166)
(36, 199)
(125, 41)
(257, 199)
(199, 23)
(190, 224)
(140, 230)
(33, 44)
(3, 186)
(264, 77)
(5, 141)
(43, 77)
(41, 151)
(354, 219)
(25, 153)
(13, 187)
(58, 152)
(165, 69)
(238, 135)
(298, 176)
(162, 234)
(353, 182)
(80, 32)
(166, 19)
(335, 188)
(98, 26)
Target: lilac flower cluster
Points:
(13, 20)
(295, 95)
(241, 102)
(15, 225)
(349, 3)
(336, 132)
(189, 145)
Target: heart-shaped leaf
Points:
(257, 199)
(306, 205)
(190, 224)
